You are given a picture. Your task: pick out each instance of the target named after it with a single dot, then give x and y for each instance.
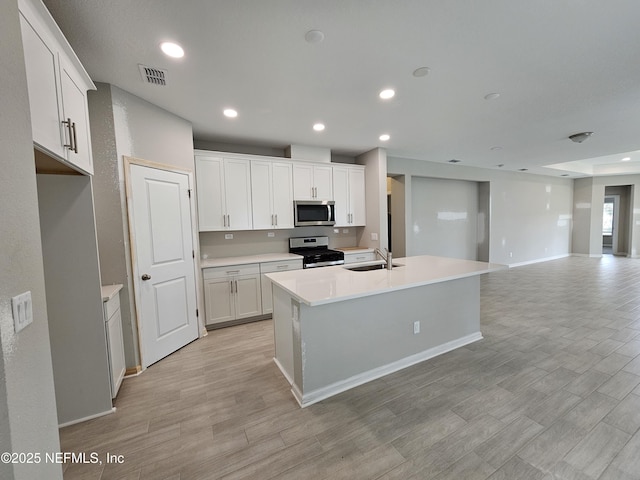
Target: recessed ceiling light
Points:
(625, 159)
(387, 93)
(384, 137)
(314, 36)
(421, 72)
(172, 49)
(230, 112)
(491, 96)
(496, 148)
(318, 127)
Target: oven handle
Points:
(324, 264)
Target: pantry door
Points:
(163, 263)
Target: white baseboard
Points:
(283, 371)
(90, 417)
(338, 387)
(539, 260)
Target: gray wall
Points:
(28, 420)
(530, 217)
(445, 216)
(74, 300)
(125, 125)
(588, 203)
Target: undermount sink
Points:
(367, 268)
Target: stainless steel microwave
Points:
(314, 212)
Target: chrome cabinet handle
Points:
(75, 139)
(231, 285)
(228, 220)
(224, 220)
(276, 224)
(146, 277)
(69, 145)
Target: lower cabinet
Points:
(265, 283)
(115, 343)
(232, 293)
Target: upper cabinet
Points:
(224, 193)
(349, 195)
(272, 194)
(312, 181)
(57, 85)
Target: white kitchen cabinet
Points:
(224, 193)
(57, 84)
(349, 195)
(312, 181)
(232, 292)
(265, 283)
(272, 194)
(115, 343)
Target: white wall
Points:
(28, 420)
(125, 125)
(530, 218)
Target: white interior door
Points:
(163, 261)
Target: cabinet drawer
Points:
(111, 307)
(270, 267)
(359, 257)
(231, 271)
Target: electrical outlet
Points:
(22, 308)
(416, 327)
(336, 230)
(374, 237)
(345, 230)
(271, 234)
(228, 236)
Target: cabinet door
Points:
(282, 181)
(237, 183)
(357, 199)
(341, 196)
(77, 135)
(44, 102)
(211, 199)
(248, 296)
(303, 188)
(323, 182)
(261, 195)
(219, 300)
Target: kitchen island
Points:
(337, 328)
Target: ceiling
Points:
(560, 67)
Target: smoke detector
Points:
(154, 76)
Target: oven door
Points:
(314, 212)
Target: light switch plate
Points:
(374, 236)
(22, 308)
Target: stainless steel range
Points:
(315, 252)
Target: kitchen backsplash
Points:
(253, 242)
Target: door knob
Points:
(146, 276)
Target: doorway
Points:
(160, 223)
(616, 220)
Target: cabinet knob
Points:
(146, 277)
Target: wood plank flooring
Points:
(551, 392)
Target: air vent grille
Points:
(155, 76)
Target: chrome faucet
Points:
(386, 257)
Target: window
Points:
(607, 219)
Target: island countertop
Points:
(319, 286)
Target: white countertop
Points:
(245, 259)
(109, 291)
(318, 286)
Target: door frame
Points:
(127, 163)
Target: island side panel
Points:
(283, 331)
(346, 343)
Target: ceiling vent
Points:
(155, 76)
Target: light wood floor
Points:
(552, 392)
